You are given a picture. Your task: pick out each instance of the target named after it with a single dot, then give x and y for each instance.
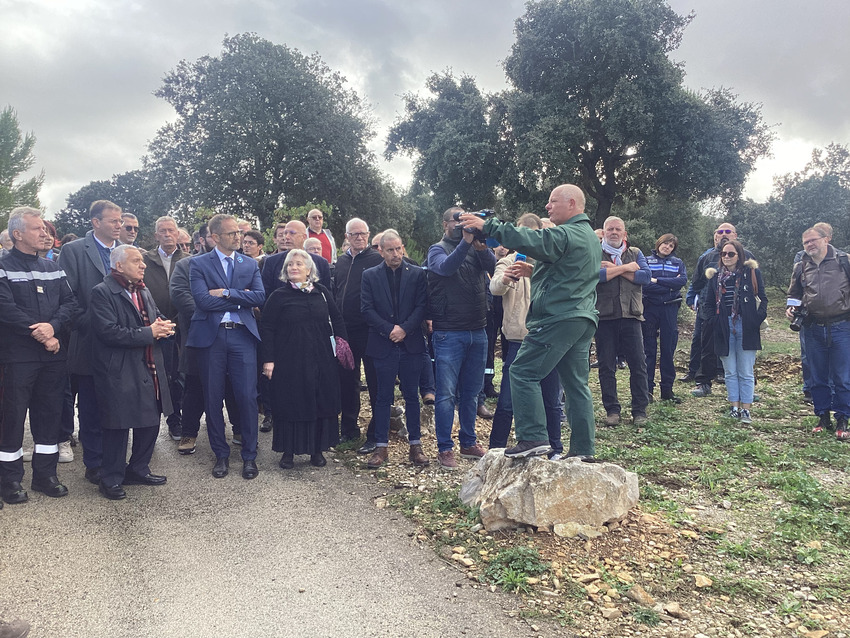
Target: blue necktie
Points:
(228, 271)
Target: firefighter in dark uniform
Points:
(36, 304)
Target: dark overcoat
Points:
(752, 307)
(296, 337)
(126, 396)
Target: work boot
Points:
(378, 458)
(417, 456)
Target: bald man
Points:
(561, 321)
(292, 235)
(315, 219)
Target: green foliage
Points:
(16, 158)
(648, 617)
(263, 126)
(511, 567)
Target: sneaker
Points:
(612, 419)
(554, 456)
(187, 445)
(447, 460)
(702, 390)
(528, 448)
(745, 416)
(175, 433)
(841, 432)
(66, 454)
(237, 439)
(734, 413)
(473, 452)
(688, 378)
(28, 454)
(824, 423)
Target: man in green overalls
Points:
(561, 321)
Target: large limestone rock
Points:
(539, 492)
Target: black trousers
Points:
(171, 358)
(708, 364)
(349, 384)
(621, 336)
(37, 387)
(115, 463)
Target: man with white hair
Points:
(315, 219)
(349, 272)
(36, 305)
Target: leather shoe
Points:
(417, 456)
(484, 412)
(318, 460)
(50, 486)
(149, 479)
(378, 458)
(93, 475)
(14, 493)
(112, 492)
(221, 468)
(249, 470)
(367, 448)
(287, 462)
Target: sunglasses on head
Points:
(722, 231)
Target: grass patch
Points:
(510, 568)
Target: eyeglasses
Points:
(728, 254)
(231, 234)
(131, 229)
(723, 231)
(812, 241)
(366, 234)
(316, 217)
(184, 246)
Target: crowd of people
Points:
(201, 322)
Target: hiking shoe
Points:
(612, 419)
(473, 452)
(702, 390)
(187, 445)
(734, 413)
(824, 423)
(841, 432)
(447, 460)
(639, 420)
(527, 448)
(378, 458)
(417, 456)
(745, 416)
(66, 454)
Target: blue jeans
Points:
(407, 367)
(551, 390)
(738, 366)
(828, 351)
(460, 356)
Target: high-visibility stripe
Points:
(32, 274)
(46, 449)
(11, 456)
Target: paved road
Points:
(304, 553)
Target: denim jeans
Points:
(460, 357)
(738, 366)
(551, 390)
(828, 351)
(407, 367)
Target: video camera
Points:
(800, 314)
(477, 234)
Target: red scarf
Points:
(138, 302)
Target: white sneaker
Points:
(28, 454)
(66, 453)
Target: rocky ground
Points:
(741, 530)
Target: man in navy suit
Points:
(288, 236)
(226, 285)
(393, 299)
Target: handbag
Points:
(340, 347)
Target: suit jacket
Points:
(126, 396)
(273, 264)
(156, 280)
(205, 274)
(376, 304)
(84, 270)
(180, 294)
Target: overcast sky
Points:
(81, 73)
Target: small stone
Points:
(702, 581)
(588, 578)
(687, 568)
(676, 611)
(611, 614)
(689, 533)
(532, 581)
(820, 633)
(301, 590)
(380, 503)
(640, 596)
(458, 549)
(591, 589)
(726, 504)
(814, 545)
(476, 528)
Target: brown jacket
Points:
(823, 288)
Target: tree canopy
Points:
(16, 158)
(260, 127)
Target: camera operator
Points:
(820, 292)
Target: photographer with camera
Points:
(458, 266)
(819, 296)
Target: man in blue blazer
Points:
(226, 285)
(393, 300)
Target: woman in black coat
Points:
(736, 289)
(129, 371)
(299, 322)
